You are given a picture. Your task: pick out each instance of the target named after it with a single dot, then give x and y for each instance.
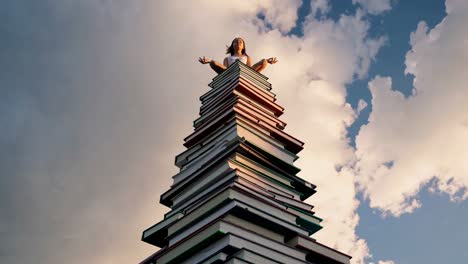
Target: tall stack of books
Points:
(237, 198)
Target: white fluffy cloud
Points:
(410, 141)
(94, 118)
(374, 7)
(319, 6)
(384, 262)
(361, 106)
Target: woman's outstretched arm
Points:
(259, 66)
(216, 66)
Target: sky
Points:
(97, 96)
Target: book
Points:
(318, 252)
(218, 203)
(246, 88)
(222, 132)
(239, 68)
(231, 102)
(217, 257)
(240, 151)
(230, 74)
(237, 128)
(245, 80)
(157, 233)
(253, 257)
(204, 183)
(223, 233)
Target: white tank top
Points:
(232, 59)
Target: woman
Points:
(237, 52)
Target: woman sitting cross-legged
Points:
(237, 52)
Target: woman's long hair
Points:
(230, 49)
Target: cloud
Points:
(79, 150)
(280, 14)
(411, 140)
(98, 96)
(374, 7)
(361, 106)
(384, 262)
(319, 7)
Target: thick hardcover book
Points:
(238, 237)
(248, 90)
(240, 69)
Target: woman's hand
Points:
(272, 60)
(204, 60)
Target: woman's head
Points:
(236, 44)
